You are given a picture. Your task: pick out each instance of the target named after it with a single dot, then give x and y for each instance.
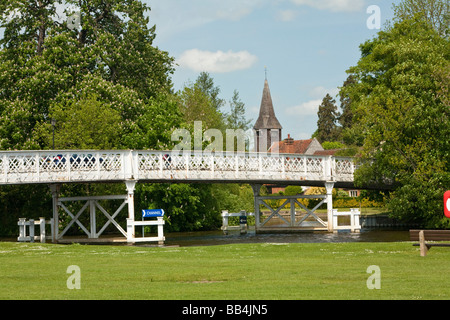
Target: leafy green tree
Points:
(44, 62)
(401, 103)
(236, 118)
(187, 206)
(434, 12)
(327, 129)
(102, 80)
(206, 84)
(346, 117)
(195, 105)
(84, 124)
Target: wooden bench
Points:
(429, 235)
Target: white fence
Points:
(354, 220)
(159, 222)
(30, 236)
(225, 215)
(21, 167)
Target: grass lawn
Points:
(237, 271)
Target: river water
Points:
(208, 238)
(204, 238)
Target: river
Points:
(208, 238)
(204, 238)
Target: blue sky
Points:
(306, 45)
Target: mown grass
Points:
(237, 271)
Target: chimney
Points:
(289, 140)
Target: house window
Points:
(353, 193)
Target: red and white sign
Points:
(447, 203)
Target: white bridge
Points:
(79, 166)
(128, 166)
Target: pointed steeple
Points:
(267, 118)
(267, 126)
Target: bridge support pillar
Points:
(55, 188)
(329, 186)
(256, 192)
(131, 184)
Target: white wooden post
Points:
(42, 229)
(130, 230)
(354, 220)
(22, 229)
(335, 219)
(160, 230)
(225, 221)
(329, 186)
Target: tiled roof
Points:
(290, 145)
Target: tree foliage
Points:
(327, 129)
(435, 12)
(236, 118)
(400, 99)
(106, 85)
(45, 63)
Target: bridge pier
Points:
(131, 184)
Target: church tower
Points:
(267, 128)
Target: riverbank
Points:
(242, 271)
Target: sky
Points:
(304, 47)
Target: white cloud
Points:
(333, 5)
(286, 15)
(219, 61)
(308, 108)
(173, 16)
(305, 109)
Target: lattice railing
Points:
(93, 165)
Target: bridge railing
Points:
(240, 166)
(97, 165)
(55, 166)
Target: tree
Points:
(102, 80)
(195, 105)
(327, 129)
(236, 118)
(346, 117)
(44, 63)
(206, 84)
(84, 124)
(401, 102)
(434, 12)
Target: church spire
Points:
(267, 118)
(267, 126)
